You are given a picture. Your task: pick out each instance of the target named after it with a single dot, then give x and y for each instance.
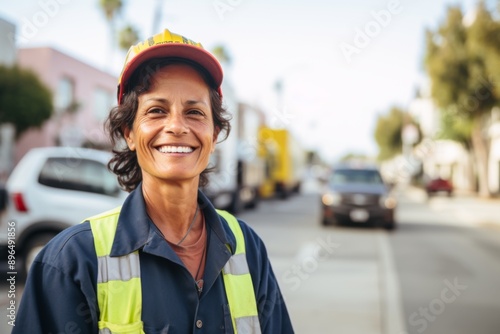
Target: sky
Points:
(341, 63)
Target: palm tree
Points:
(111, 9)
(128, 36)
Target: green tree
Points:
(127, 37)
(459, 59)
(456, 128)
(388, 133)
(111, 8)
(222, 54)
(24, 100)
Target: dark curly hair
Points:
(124, 161)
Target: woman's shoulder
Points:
(71, 246)
(252, 239)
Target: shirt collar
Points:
(134, 227)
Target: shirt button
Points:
(199, 323)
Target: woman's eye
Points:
(195, 112)
(155, 111)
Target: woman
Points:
(166, 261)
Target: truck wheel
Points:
(33, 247)
(3, 198)
(325, 221)
(283, 193)
(255, 199)
(390, 225)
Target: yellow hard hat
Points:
(165, 45)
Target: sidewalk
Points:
(467, 208)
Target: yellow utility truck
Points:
(285, 162)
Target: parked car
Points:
(51, 189)
(357, 194)
(439, 185)
(3, 198)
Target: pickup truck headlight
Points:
(387, 202)
(331, 199)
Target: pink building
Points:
(83, 96)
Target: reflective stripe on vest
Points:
(238, 284)
(119, 291)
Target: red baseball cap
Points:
(166, 45)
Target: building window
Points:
(103, 101)
(65, 97)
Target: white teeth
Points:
(175, 149)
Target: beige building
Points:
(494, 158)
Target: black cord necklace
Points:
(190, 226)
(199, 282)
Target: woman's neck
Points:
(172, 208)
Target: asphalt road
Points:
(448, 265)
(330, 277)
(336, 280)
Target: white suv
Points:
(50, 189)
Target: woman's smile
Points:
(175, 149)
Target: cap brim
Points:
(184, 51)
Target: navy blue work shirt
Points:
(60, 292)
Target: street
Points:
(447, 252)
(437, 273)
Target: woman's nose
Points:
(176, 123)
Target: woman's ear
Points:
(214, 139)
(128, 134)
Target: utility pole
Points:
(157, 17)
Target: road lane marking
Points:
(390, 290)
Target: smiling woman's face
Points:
(173, 132)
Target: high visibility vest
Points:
(119, 292)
